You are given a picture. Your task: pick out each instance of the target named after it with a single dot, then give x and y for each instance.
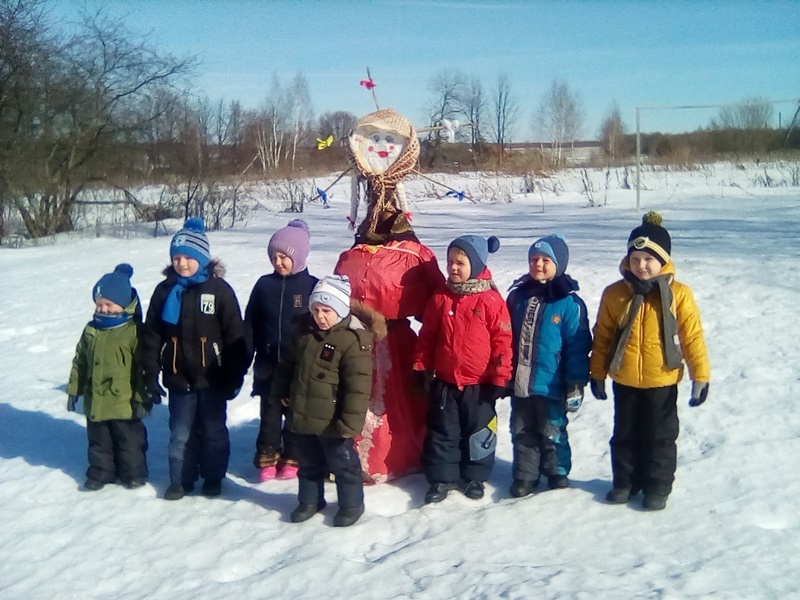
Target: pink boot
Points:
(288, 472)
(267, 473)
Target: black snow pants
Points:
(643, 448)
(117, 450)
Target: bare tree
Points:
(474, 107)
(448, 88)
(504, 114)
(559, 118)
(612, 132)
(87, 99)
(300, 114)
(753, 113)
(339, 124)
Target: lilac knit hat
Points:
(293, 241)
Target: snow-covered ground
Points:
(731, 528)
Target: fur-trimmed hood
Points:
(215, 268)
(374, 321)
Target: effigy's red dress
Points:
(396, 279)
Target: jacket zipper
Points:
(174, 356)
(280, 318)
(203, 351)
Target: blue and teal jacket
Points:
(551, 337)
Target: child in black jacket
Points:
(194, 337)
(278, 302)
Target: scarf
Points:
(547, 291)
(171, 312)
(471, 286)
(536, 293)
(110, 320)
(669, 324)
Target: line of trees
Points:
(96, 105)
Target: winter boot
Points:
(267, 473)
(175, 492)
(304, 512)
(618, 495)
(211, 488)
(438, 491)
(347, 515)
(474, 490)
(93, 485)
(557, 482)
(288, 471)
(654, 502)
(135, 483)
(521, 488)
(265, 459)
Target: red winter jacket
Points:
(466, 339)
(396, 279)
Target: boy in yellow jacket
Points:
(648, 324)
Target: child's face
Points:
(542, 268)
(644, 265)
(184, 265)
(282, 263)
(107, 307)
(324, 316)
(458, 267)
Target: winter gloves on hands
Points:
(492, 393)
(153, 388)
(71, 402)
(422, 382)
(598, 387)
(699, 393)
(574, 397)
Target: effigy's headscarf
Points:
(385, 217)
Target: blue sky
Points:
(634, 53)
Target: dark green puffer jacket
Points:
(107, 371)
(327, 379)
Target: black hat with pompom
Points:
(652, 238)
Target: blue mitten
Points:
(71, 402)
(574, 397)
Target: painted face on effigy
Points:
(381, 148)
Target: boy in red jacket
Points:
(464, 351)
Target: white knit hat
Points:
(332, 291)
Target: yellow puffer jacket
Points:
(643, 363)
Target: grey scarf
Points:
(669, 325)
(471, 286)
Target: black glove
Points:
(598, 387)
(491, 393)
(573, 397)
(422, 382)
(147, 405)
(71, 401)
(153, 388)
(230, 391)
(699, 393)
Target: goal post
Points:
(639, 110)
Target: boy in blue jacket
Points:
(551, 365)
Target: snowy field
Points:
(732, 525)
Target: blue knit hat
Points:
(332, 291)
(477, 250)
(555, 247)
(191, 241)
(115, 286)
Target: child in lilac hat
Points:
(278, 301)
